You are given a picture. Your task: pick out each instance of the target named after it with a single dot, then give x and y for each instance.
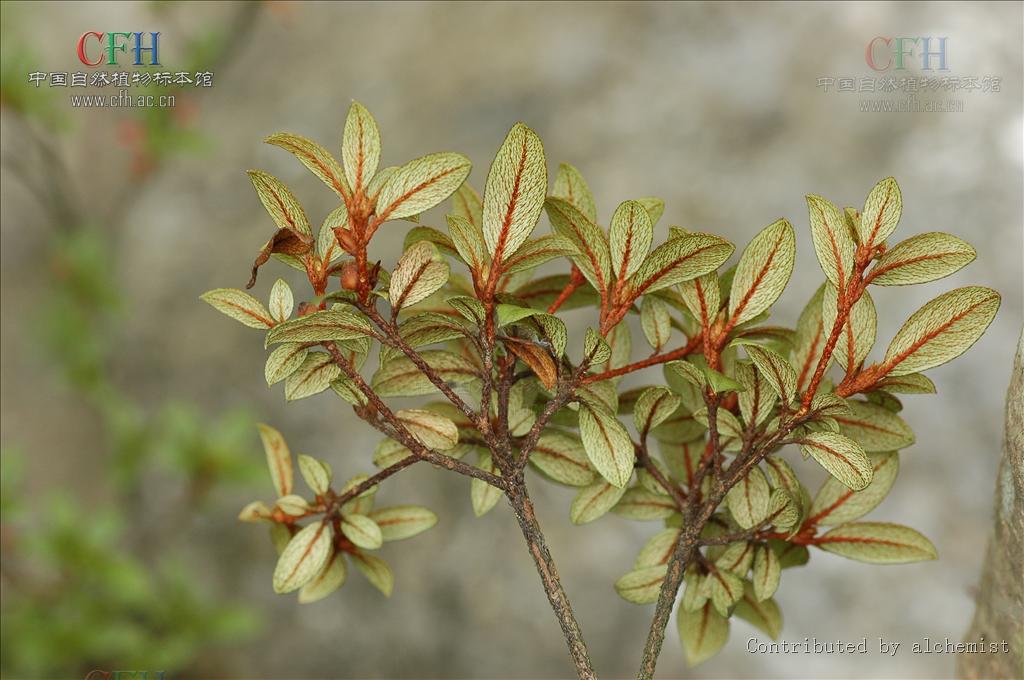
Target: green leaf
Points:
(507, 314)
(620, 343)
(654, 407)
(315, 157)
(809, 342)
(640, 504)
(331, 577)
(362, 531)
(376, 571)
(400, 377)
(360, 146)
(922, 258)
(281, 301)
(466, 204)
(403, 521)
(316, 474)
(572, 188)
(469, 308)
(657, 549)
(858, 333)
(304, 557)
(767, 572)
(421, 184)
(726, 590)
(282, 205)
(514, 194)
(254, 512)
(421, 272)
(629, 238)
(428, 328)
(292, 504)
(279, 459)
(322, 326)
(941, 330)
(763, 614)
(655, 207)
(536, 252)
(911, 383)
(430, 429)
(362, 503)
(327, 247)
(483, 495)
(240, 306)
(698, 373)
(763, 271)
(696, 593)
(748, 499)
(655, 322)
(757, 398)
(594, 500)
(679, 260)
(607, 444)
(595, 347)
(776, 371)
(592, 252)
(642, 586)
(389, 452)
(702, 296)
(468, 241)
(874, 428)
(878, 543)
(836, 504)
(881, 213)
(562, 458)
(438, 238)
(832, 241)
(313, 376)
(841, 456)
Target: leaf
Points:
(874, 428)
(240, 306)
(911, 383)
(376, 571)
(836, 504)
(304, 557)
(763, 271)
(776, 371)
(832, 241)
(330, 578)
(362, 531)
(322, 326)
(702, 297)
(640, 504)
(595, 347)
(572, 188)
(594, 501)
(702, 633)
(281, 301)
(428, 328)
(841, 456)
(254, 512)
(658, 549)
(881, 213)
(655, 207)
(363, 502)
(482, 495)
(537, 358)
(726, 590)
(678, 260)
(403, 521)
(421, 272)
(642, 586)
(877, 543)
(562, 458)
(293, 505)
(810, 340)
(316, 474)
(514, 194)
(439, 239)
(655, 322)
(470, 308)
(400, 377)
(421, 184)
(313, 376)
(922, 258)
(941, 330)
(763, 614)
(620, 343)
(757, 398)
(467, 205)
(279, 459)
(858, 333)
(748, 499)
(629, 238)
(537, 251)
(282, 205)
(360, 146)
(766, 574)
(592, 254)
(654, 407)
(607, 444)
(468, 241)
(316, 158)
(432, 430)
(289, 247)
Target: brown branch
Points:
(576, 279)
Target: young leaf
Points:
(376, 571)
(514, 194)
(571, 187)
(562, 458)
(403, 521)
(658, 549)
(316, 474)
(832, 241)
(432, 430)
(881, 213)
(304, 557)
(836, 504)
(362, 531)
(922, 258)
(607, 444)
(757, 398)
(642, 586)
(400, 377)
(654, 407)
(941, 330)
(776, 371)
(763, 614)
(284, 361)
(841, 456)
(877, 543)
(240, 306)
(702, 633)
(360, 146)
(421, 272)
(421, 184)
(629, 238)
(322, 326)
(594, 500)
(809, 342)
(748, 499)
(678, 260)
(279, 459)
(767, 570)
(536, 252)
(331, 577)
(316, 158)
(595, 347)
(702, 296)
(655, 207)
(281, 301)
(763, 271)
(313, 376)
(858, 333)
(874, 428)
(592, 257)
(282, 205)
(655, 322)
(640, 504)
(726, 590)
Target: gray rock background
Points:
(712, 107)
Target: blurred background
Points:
(128, 406)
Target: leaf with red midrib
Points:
(877, 543)
(514, 194)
